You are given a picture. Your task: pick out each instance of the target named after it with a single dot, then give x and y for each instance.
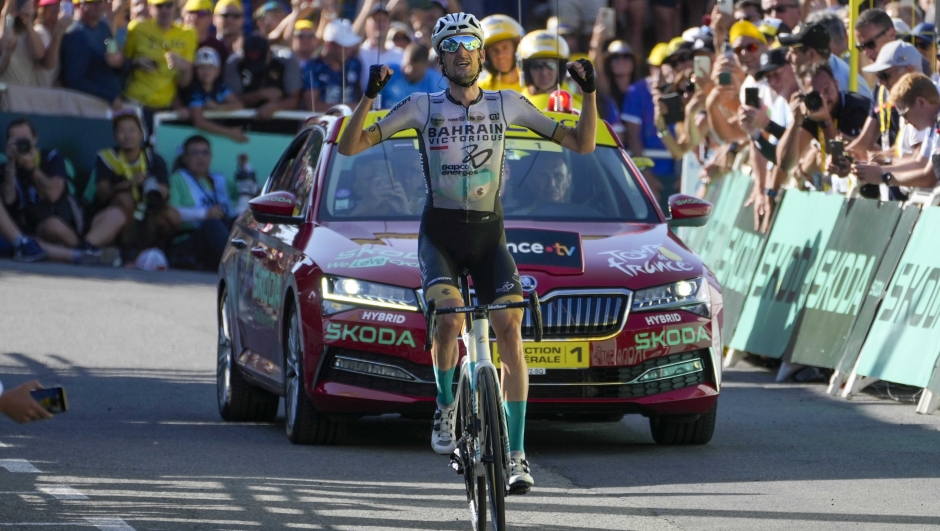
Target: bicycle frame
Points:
(477, 360)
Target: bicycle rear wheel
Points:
(494, 443)
(466, 447)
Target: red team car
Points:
(320, 297)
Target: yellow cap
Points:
(500, 28)
(198, 5)
(159, 2)
(658, 54)
(303, 24)
(542, 44)
(743, 28)
(220, 7)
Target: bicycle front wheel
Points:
(494, 443)
(466, 447)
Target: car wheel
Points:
(238, 401)
(304, 424)
(683, 429)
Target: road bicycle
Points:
(482, 453)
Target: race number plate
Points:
(553, 354)
(536, 372)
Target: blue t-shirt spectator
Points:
(399, 87)
(638, 109)
(83, 66)
(328, 83)
(196, 96)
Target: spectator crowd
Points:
(764, 84)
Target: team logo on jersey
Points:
(494, 116)
(476, 116)
(475, 156)
(437, 120)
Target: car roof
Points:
(604, 137)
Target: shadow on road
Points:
(10, 269)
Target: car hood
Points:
(628, 255)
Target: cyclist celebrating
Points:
(461, 131)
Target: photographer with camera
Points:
(821, 112)
(34, 188)
(200, 203)
(132, 186)
(916, 99)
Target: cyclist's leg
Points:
(439, 281)
(497, 280)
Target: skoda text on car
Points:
(320, 291)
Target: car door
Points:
(261, 289)
(276, 253)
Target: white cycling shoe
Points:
(443, 440)
(520, 480)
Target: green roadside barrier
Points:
(904, 341)
(733, 193)
(695, 236)
(843, 278)
(889, 263)
(736, 266)
(788, 264)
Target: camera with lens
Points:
(153, 196)
(22, 145)
(813, 101)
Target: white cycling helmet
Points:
(455, 24)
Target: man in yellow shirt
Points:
(161, 54)
(501, 35)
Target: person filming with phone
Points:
(18, 404)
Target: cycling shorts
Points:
(449, 244)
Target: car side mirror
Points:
(275, 207)
(688, 211)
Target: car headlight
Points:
(350, 291)
(689, 295)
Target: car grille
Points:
(576, 315)
(424, 388)
(569, 383)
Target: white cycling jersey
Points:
(463, 148)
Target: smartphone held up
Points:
(52, 399)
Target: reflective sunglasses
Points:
(540, 65)
(902, 113)
(751, 48)
(469, 42)
(870, 44)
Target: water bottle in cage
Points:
(245, 183)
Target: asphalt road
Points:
(143, 446)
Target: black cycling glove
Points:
(376, 83)
(588, 84)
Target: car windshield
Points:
(541, 181)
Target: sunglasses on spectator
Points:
(922, 45)
(750, 48)
(231, 15)
(469, 43)
(305, 35)
(541, 65)
(870, 44)
(883, 76)
(782, 8)
(199, 14)
(204, 152)
(166, 5)
(677, 60)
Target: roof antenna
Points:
(557, 103)
(343, 69)
(519, 61)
